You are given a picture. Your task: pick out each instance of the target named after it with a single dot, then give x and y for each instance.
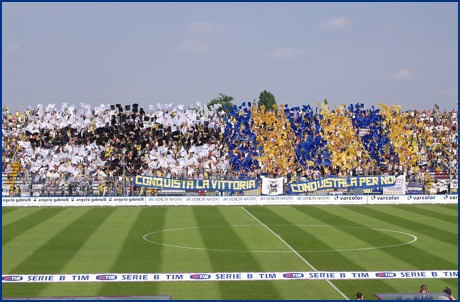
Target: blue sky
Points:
(182, 53)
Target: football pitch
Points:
(233, 239)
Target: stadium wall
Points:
(263, 200)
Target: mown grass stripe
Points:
(422, 210)
(182, 230)
(176, 260)
(22, 225)
(62, 247)
(103, 247)
(451, 211)
(257, 238)
(13, 216)
(98, 254)
(25, 245)
(428, 225)
(182, 260)
(296, 253)
(356, 241)
(451, 207)
(325, 216)
(138, 256)
(231, 261)
(224, 238)
(301, 239)
(412, 255)
(6, 210)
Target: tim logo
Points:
(293, 275)
(11, 278)
(409, 197)
(106, 277)
(385, 275)
(200, 276)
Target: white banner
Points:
(25, 190)
(5, 190)
(17, 201)
(424, 198)
(277, 200)
(89, 201)
(272, 186)
(164, 201)
(454, 186)
(203, 201)
(398, 189)
(36, 189)
(349, 199)
(240, 200)
(52, 202)
(305, 200)
(386, 199)
(127, 201)
(23, 202)
(261, 276)
(261, 200)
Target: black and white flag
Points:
(272, 186)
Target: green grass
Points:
(330, 238)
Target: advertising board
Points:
(262, 200)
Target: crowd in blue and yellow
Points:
(79, 143)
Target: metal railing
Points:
(29, 184)
(23, 185)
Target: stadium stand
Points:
(84, 151)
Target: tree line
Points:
(266, 99)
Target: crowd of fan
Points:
(55, 146)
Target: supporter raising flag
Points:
(276, 138)
(347, 151)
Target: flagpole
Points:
(124, 177)
(450, 178)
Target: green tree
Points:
(224, 100)
(266, 99)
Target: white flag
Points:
(272, 186)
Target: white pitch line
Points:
(295, 252)
(259, 225)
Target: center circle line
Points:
(414, 238)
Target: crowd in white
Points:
(79, 144)
(60, 145)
